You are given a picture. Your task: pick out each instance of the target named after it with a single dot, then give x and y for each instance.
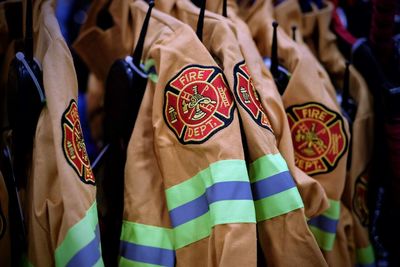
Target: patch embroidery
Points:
(247, 95)
(197, 103)
(319, 138)
(73, 144)
(360, 199)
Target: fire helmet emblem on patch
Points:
(319, 137)
(197, 104)
(73, 144)
(247, 95)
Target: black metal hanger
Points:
(280, 75)
(200, 22)
(224, 8)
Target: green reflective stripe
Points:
(192, 231)
(221, 212)
(78, 236)
(220, 171)
(324, 239)
(365, 255)
(267, 166)
(148, 64)
(99, 263)
(128, 263)
(333, 212)
(277, 204)
(153, 77)
(147, 235)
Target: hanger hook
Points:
(274, 50)
(224, 8)
(137, 54)
(200, 22)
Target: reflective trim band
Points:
(128, 263)
(274, 190)
(145, 244)
(147, 235)
(365, 256)
(229, 191)
(81, 243)
(220, 194)
(325, 240)
(189, 211)
(89, 255)
(217, 192)
(272, 185)
(267, 166)
(333, 211)
(146, 254)
(192, 231)
(99, 263)
(324, 223)
(324, 226)
(221, 212)
(221, 171)
(278, 204)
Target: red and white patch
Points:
(198, 103)
(319, 138)
(247, 96)
(73, 144)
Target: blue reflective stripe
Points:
(228, 191)
(189, 211)
(146, 254)
(324, 223)
(217, 192)
(272, 185)
(89, 254)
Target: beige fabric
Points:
(156, 160)
(312, 193)
(57, 199)
(305, 78)
(274, 234)
(92, 38)
(174, 46)
(316, 23)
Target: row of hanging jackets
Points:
(218, 162)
